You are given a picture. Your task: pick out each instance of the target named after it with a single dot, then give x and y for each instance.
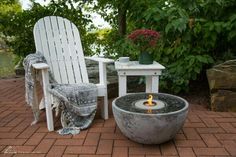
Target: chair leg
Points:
(47, 100)
(49, 114)
(104, 112)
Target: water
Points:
(172, 103)
(6, 64)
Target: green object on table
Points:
(145, 58)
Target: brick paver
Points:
(105, 147)
(205, 133)
(120, 152)
(186, 152)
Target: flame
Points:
(150, 97)
(149, 101)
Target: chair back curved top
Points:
(58, 40)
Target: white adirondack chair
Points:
(58, 40)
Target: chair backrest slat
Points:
(59, 51)
(71, 45)
(41, 40)
(78, 49)
(66, 51)
(59, 41)
(51, 47)
(37, 38)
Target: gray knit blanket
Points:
(30, 82)
(76, 102)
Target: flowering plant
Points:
(144, 39)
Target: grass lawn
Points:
(6, 64)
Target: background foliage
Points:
(195, 34)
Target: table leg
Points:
(155, 84)
(122, 85)
(148, 84)
(152, 84)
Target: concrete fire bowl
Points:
(150, 128)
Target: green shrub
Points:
(194, 35)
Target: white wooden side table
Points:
(133, 68)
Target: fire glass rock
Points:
(143, 126)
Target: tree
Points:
(18, 26)
(7, 7)
(115, 13)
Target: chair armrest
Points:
(40, 66)
(102, 69)
(99, 59)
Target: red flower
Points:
(144, 38)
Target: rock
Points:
(222, 76)
(223, 100)
(222, 84)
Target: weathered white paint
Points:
(58, 40)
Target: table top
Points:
(134, 65)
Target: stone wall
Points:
(112, 78)
(133, 82)
(93, 72)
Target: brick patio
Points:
(205, 133)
